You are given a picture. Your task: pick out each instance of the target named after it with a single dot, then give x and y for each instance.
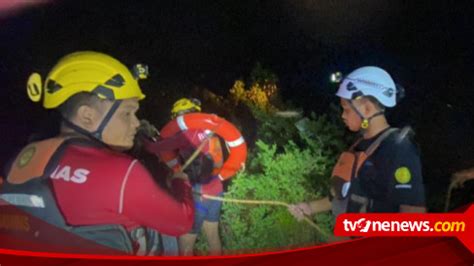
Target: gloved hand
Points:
(176, 176)
(148, 130)
(300, 210)
(147, 136)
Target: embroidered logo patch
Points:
(26, 156)
(403, 175)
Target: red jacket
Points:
(94, 185)
(186, 142)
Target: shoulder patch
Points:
(26, 156)
(403, 175)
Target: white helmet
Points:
(369, 81)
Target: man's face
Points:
(349, 116)
(122, 127)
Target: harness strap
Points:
(371, 149)
(98, 133)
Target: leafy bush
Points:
(277, 130)
(262, 95)
(282, 170)
(270, 176)
(320, 134)
(291, 162)
(257, 97)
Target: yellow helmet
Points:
(87, 71)
(184, 104)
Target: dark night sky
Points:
(425, 45)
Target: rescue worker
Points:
(203, 175)
(381, 172)
(81, 180)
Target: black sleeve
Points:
(403, 174)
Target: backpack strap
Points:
(352, 147)
(371, 149)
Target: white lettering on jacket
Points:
(68, 174)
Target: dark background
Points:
(427, 46)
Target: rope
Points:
(241, 201)
(263, 202)
(200, 147)
(197, 151)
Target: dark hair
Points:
(376, 102)
(70, 106)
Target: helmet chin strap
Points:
(365, 120)
(97, 134)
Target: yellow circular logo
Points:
(34, 87)
(403, 175)
(26, 156)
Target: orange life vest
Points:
(233, 138)
(347, 167)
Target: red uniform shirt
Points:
(95, 186)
